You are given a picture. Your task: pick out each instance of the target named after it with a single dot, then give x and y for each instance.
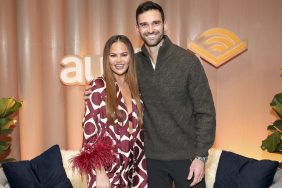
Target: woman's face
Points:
(119, 58)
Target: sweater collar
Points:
(164, 51)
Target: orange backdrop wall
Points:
(35, 35)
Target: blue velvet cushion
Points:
(44, 171)
(236, 171)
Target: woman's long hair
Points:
(130, 77)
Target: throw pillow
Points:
(236, 171)
(44, 171)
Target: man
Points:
(179, 114)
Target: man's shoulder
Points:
(139, 58)
(185, 56)
(138, 54)
(185, 52)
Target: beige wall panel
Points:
(49, 30)
(76, 43)
(98, 24)
(8, 61)
(247, 84)
(30, 84)
(53, 50)
(118, 18)
(131, 23)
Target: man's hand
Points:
(87, 92)
(197, 171)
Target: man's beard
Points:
(155, 42)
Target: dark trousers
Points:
(162, 174)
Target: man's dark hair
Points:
(146, 6)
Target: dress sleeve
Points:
(97, 148)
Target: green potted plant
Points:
(8, 109)
(273, 142)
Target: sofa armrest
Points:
(3, 180)
(277, 181)
(76, 179)
(211, 166)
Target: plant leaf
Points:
(271, 142)
(7, 131)
(3, 106)
(4, 146)
(279, 147)
(3, 121)
(14, 108)
(278, 125)
(8, 106)
(6, 123)
(271, 128)
(276, 104)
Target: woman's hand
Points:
(102, 180)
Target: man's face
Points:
(151, 27)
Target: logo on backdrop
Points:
(217, 46)
(80, 70)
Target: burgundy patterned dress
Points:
(112, 146)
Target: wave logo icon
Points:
(217, 46)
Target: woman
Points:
(112, 153)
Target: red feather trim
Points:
(99, 154)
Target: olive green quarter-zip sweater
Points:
(179, 113)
